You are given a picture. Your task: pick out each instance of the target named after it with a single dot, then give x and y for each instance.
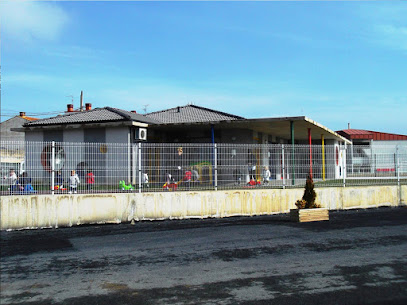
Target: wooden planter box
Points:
(306, 215)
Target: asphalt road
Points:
(358, 257)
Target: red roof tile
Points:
(370, 135)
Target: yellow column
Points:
(323, 156)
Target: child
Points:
(187, 178)
(266, 175)
(73, 182)
(59, 182)
(12, 178)
(145, 180)
(25, 182)
(90, 179)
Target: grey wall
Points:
(73, 135)
(118, 162)
(34, 136)
(6, 134)
(53, 135)
(117, 135)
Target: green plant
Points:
(308, 199)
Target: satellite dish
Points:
(46, 158)
(59, 159)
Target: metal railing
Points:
(62, 167)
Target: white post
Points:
(398, 172)
(53, 167)
(133, 161)
(139, 167)
(283, 164)
(372, 170)
(128, 162)
(344, 165)
(216, 166)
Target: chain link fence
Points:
(61, 167)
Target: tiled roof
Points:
(106, 114)
(191, 114)
(370, 135)
(29, 118)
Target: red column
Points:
(310, 151)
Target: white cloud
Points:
(27, 21)
(21, 78)
(384, 24)
(392, 36)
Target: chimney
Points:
(348, 125)
(88, 106)
(81, 109)
(69, 108)
(22, 114)
(134, 111)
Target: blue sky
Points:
(335, 62)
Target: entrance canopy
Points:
(281, 127)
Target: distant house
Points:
(6, 132)
(367, 144)
(12, 157)
(368, 137)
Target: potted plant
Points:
(307, 210)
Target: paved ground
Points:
(358, 257)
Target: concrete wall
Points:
(18, 212)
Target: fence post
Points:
(133, 163)
(215, 151)
(53, 168)
(283, 164)
(351, 154)
(344, 165)
(139, 167)
(129, 162)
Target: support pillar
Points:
(323, 156)
(310, 151)
(292, 153)
(213, 156)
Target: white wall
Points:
(36, 211)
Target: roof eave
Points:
(83, 125)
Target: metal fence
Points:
(61, 167)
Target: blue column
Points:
(292, 153)
(213, 153)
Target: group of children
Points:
(74, 181)
(251, 177)
(23, 183)
(20, 184)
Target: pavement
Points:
(358, 257)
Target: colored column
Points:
(323, 156)
(292, 153)
(213, 154)
(310, 152)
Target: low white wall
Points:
(39, 211)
